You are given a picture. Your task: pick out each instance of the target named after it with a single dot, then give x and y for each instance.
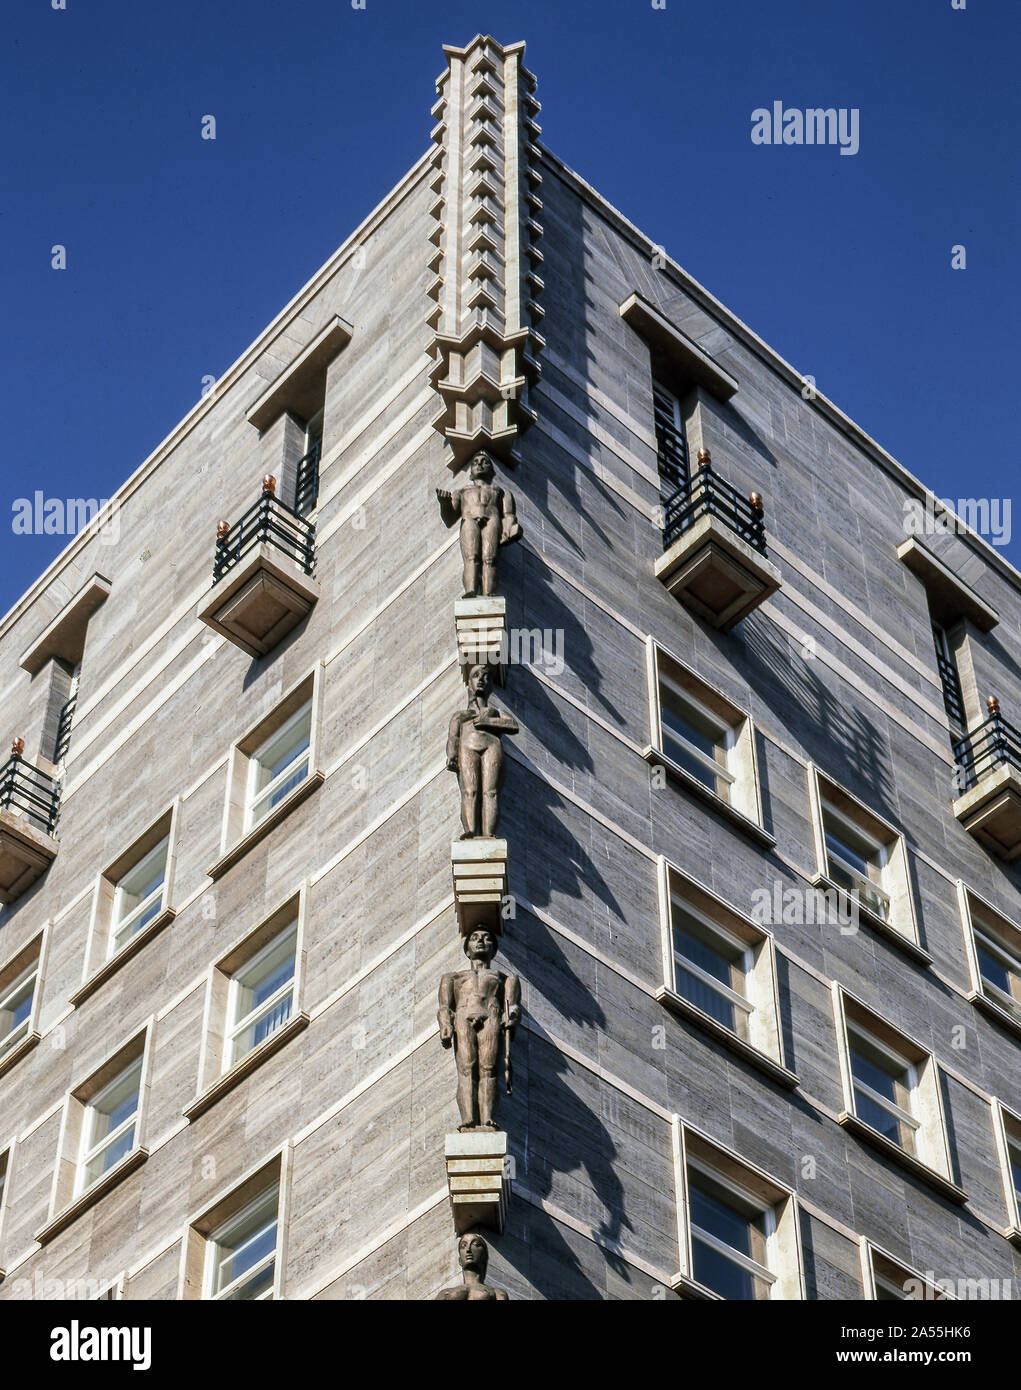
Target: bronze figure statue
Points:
(479, 1007)
(473, 1257)
(475, 753)
(488, 521)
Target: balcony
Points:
(29, 808)
(988, 762)
(714, 559)
(262, 575)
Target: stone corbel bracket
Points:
(486, 257)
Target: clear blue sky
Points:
(180, 250)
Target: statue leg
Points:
(466, 1051)
(489, 1054)
(468, 774)
(492, 766)
(471, 554)
(490, 543)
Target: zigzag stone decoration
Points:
(486, 258)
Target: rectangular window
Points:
(241, 1252)
(950, 680)
(695, 738)
(671, 440)
(729, 1237)
(893, 1097)
(109, 1124)
(710, 968)
(739, 1237)
(306, 486)
(884, 1085)
(889, 1281)
(278, 765)
(261, 996)
(138, 896)
(855, 861)
(16, 1000)
(999, 963)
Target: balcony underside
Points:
(259, 601)
(716, 574)
(991, 811)
(25, 854)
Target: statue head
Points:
(479, 681)
(473, 1253)
(480, 944)
(481, 468)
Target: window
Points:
(231, 1249)
(241, 1253)
(729, 1234)
(883, 1086)
(720, 971)
(138, 896)
(306, 483)
(703, 741)
(864, 859)
(950, 680)
(739, 1230)
(671, 440)
(710, 967)
(272, 769)
(16, 999)
(1007, 1129)
(109, 1128)
(278, 765)
(892, 1093)
(253, 1003)
(261, 996)
(993, 944)
(694, 739)
(887, 1280)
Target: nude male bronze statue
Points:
(475, 753)
(479, 1007)
(473, 1257)
(488, 521)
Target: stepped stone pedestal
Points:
(481, 625)
(477, 1179)
(479, 869)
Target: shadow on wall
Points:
(842, 739)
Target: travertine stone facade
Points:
(836, 670)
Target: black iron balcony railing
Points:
(994, 743)
(267, 521)
(306, 487)
(707, 494)
(27, 790)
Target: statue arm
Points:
(497, 721)
(445, 1013)
(511, 1001)
(509, 528)
(453, 739)
(450, 505)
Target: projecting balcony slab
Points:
(478, 1184)
(481, 625)
(991, 811)
(716, 574)
(259, 600)
(479, 869)
(26, 852)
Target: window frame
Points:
(255, 795)
(988, 997)
(764, 1045)
(214, 1244)
(1007, 1135)
(229, 1203)
(237, 835)
(89, 1150)
(784, 1274)
(873, 1255)
(901, 926)
(931, 1157)
(29, 961)
(215, 1078)
(103, 958)
(743, 804)
(68, 1199)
